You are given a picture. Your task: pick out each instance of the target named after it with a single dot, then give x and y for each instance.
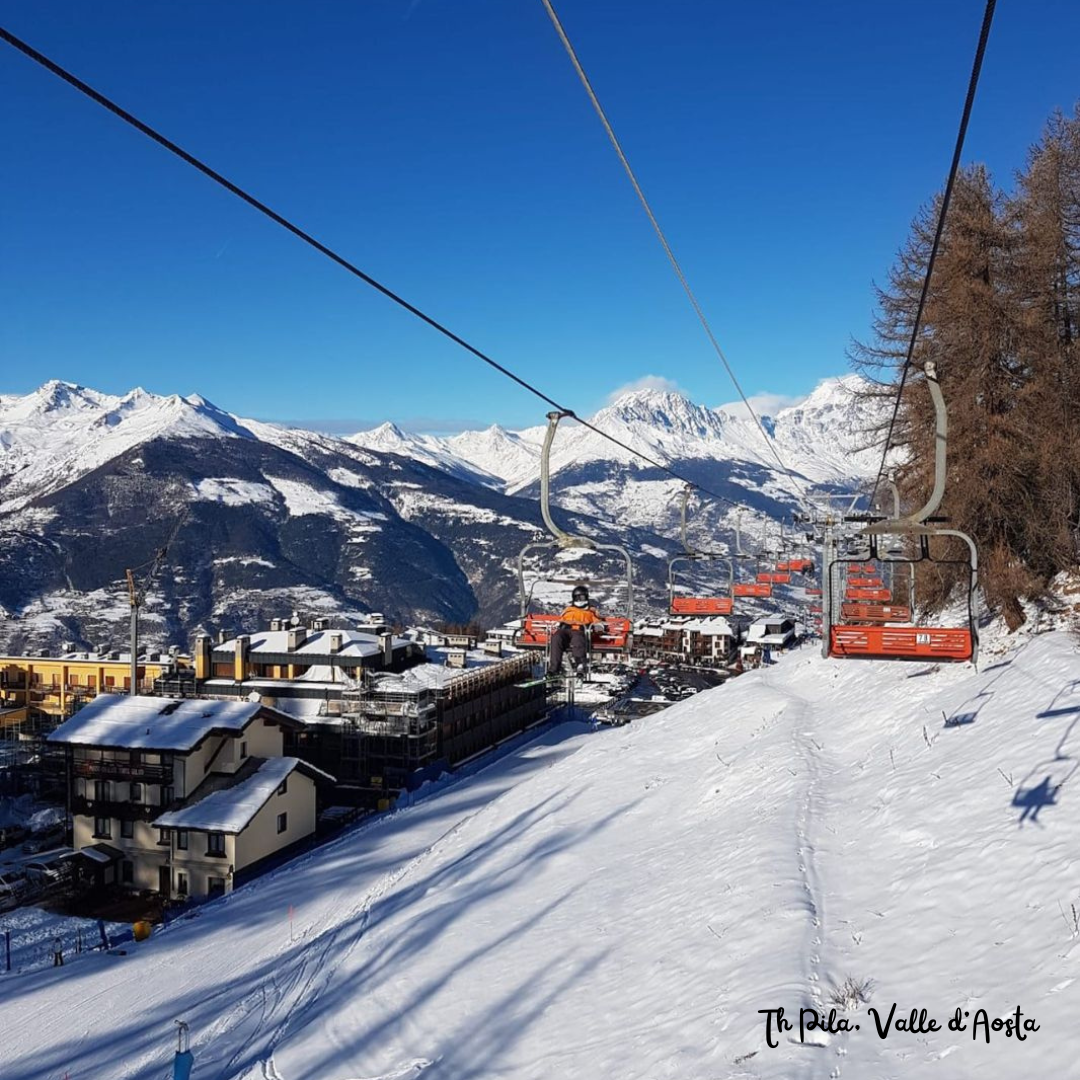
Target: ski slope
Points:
(620, 904)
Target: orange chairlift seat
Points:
(813, 590)
(536, 629)
(875, 613)
(775, 577)
(752, 588)
(883, 596)
(697, 604)
(952, 643)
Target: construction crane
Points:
(137, 594)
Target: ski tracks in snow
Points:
(284, 1001)
(810, 813)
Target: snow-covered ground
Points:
(624, 903)
(33, 932)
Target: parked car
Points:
(12, 888)
(44, 841)
(49, 868)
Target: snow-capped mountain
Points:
(273, 519)
(61, 431)
(418, 527)
(821, 441)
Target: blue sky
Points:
(448, 149)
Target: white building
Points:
(182, 795)
(776, 631)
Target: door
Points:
(165, 880)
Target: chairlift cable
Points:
(771, 443)
(323, 249)
(969, 100)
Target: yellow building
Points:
(50, 688)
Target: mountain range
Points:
(270, 519)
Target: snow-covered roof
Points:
(105, 657)
(231, 809)
(436, 674)
(355, 645)
(156, 723)
(772, 630)
(709, 624)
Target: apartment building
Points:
(182, 796)
(43, 690)
(708, 640)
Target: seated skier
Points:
(572, 632)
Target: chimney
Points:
(335, 641)
(275, 624)
(240, 661)
(386, 639)
(203, 666)
(297, 636)
(222, 636)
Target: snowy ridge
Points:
(388, 438)
(62, 431)
(819, 439)
(623, 903)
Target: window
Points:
(135, 758)
(127, 872)
(283, 786)
(215, 843)
(181, 839)
(163, 836)
(136, 793)
(110, 680)
(243, 750)
(282, 822)
(181, 883)
(215, 886)
(127, 829)
(102, 828)
(101, 790)
(167, 794)
(91, 681)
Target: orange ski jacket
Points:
(578, 618)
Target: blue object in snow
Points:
(182, 1064)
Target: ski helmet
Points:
(580, 596)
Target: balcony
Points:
(124, 771)
(110, 808)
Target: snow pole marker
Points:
(290, 924)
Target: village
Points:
(225, 761)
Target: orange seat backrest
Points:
(692, 605)
(901, 642)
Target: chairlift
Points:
(951, 643)
(536, 629)
(695, 604)
(760, 589)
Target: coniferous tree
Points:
(1046, 287)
